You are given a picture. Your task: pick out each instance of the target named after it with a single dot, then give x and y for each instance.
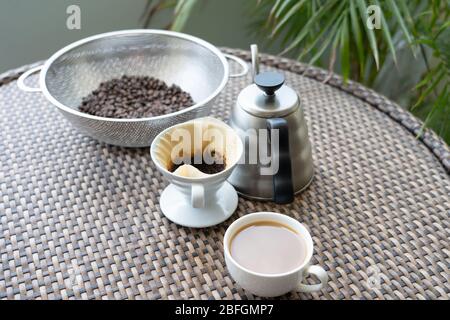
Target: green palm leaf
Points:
(332, 36)
(332, 23)
(182, 12)
(288, 16)
(387, 35)
(370, 33)
(392, 4)
(357, 36)
(345, 50)
(308, 26)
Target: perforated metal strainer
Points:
(74, 71)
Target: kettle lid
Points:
(268, 97)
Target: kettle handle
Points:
(283, 189)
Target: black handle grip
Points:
(283, 189)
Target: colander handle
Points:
(241, 62)
(21, 81)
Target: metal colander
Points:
(76, 70)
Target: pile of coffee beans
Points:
(217, 164)
(135, 97)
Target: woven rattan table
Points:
(80, 219)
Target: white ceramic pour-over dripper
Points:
(193, 198)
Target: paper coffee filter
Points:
(186, 170)
(200, 135)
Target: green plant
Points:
(434, 33)
(334, 34)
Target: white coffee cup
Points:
(272, 285)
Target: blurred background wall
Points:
(32, 30)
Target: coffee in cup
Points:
(268, 247)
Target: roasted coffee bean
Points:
(218, 164)
(135, 97)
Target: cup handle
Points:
(198, 195)
(320, 273)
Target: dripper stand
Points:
(176, 206)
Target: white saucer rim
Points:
(229, 213)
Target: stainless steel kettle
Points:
(263, 109)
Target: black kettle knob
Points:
(269, 81)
